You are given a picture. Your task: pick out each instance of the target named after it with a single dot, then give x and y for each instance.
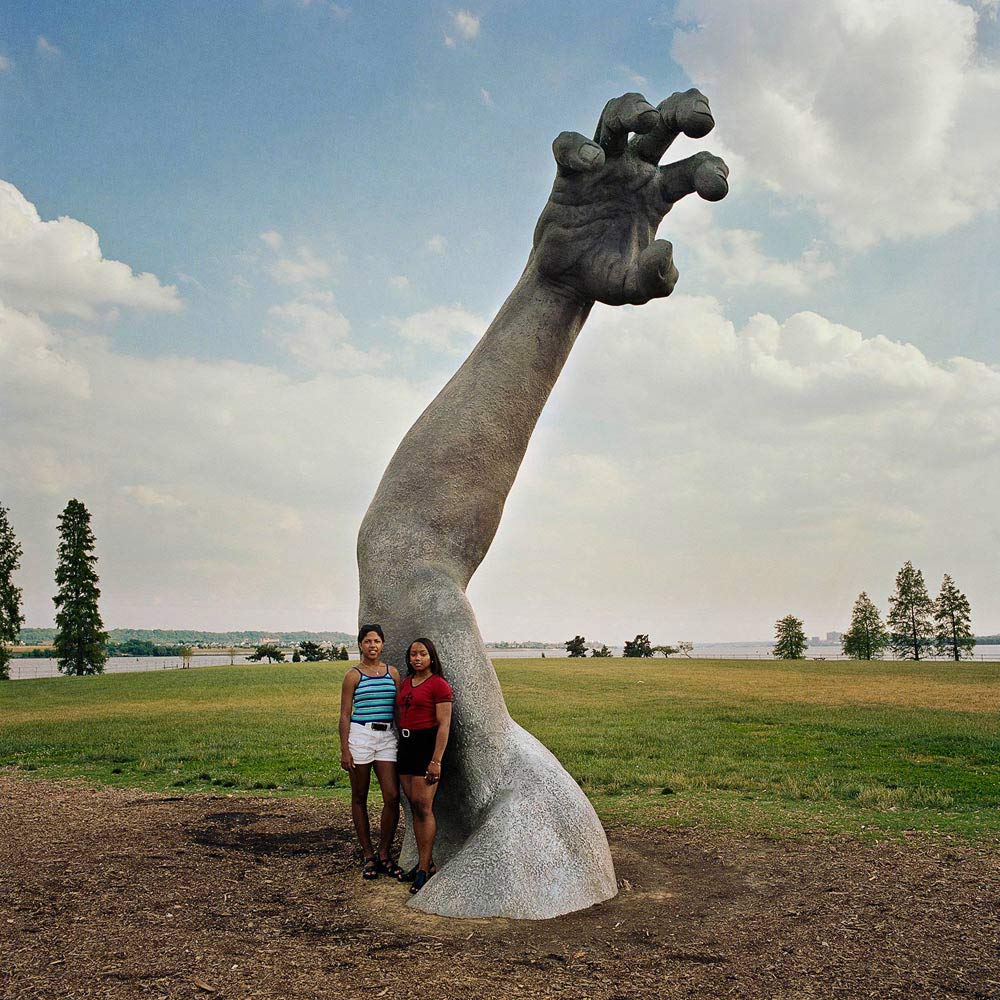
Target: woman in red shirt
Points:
(423, 715)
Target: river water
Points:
(25, 669)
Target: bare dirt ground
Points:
(112, 894)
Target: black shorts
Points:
(416, 750)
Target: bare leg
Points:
(388, 782)
(424, 825)
(361, 777)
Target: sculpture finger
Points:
(575, 153)
(686, 113)
(704, 172)
(653, 275)
(628, 113)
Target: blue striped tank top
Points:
(374, 698)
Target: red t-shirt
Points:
(416, 705)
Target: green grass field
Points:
(868, 749)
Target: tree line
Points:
(915, 626)
(637, 647)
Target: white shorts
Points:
(367, 745)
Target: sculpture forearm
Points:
(443, 493)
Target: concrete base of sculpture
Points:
(516, 835)
(539, 831)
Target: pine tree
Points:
(577, 646)
(81, 642)
(867, 636)
(953, 618)
(789, 639)
(910, 610)
(11, 618)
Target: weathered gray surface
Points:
(516, 836)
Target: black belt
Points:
(379, 727)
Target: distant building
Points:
(814, 638)
(834, 636)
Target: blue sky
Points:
(319, 207)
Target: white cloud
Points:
(30, 360)
(486, 97)
(750, 471)
(300, 266)
(6, 65)
(735, 257)
(314, 331)
(147, 496)
(435, 245)
(464, 27)
(399, 282)
(45, 48)
(339, 11)
(251, 480)
(58, 267)
(451, 329)
(272, 240)
(633, 77)
(874, 113)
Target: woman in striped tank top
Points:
(367, 740)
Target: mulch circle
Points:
(110, 893)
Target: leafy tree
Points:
(953, 618)
(343, 654)
(267, 651)
(80, 640)
(185, 653)
(685, 648)
(910, 610)
(665, 650)
(577, 646)
(313, 652)
(789, 639)
(639, 646)
(11, 618)
(602, 652)
(867, 636)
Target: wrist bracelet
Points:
(436, 762)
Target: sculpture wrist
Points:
(559, 289)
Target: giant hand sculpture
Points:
(516, 835)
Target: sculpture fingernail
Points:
(590, 153)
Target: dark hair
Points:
(435, 661)
(365, 629)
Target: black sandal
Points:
(369, 869)
(412, 873)
(387, 866)
(419, 881)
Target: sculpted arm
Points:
(443, 493)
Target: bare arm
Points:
(346, 704)
(443, 712)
